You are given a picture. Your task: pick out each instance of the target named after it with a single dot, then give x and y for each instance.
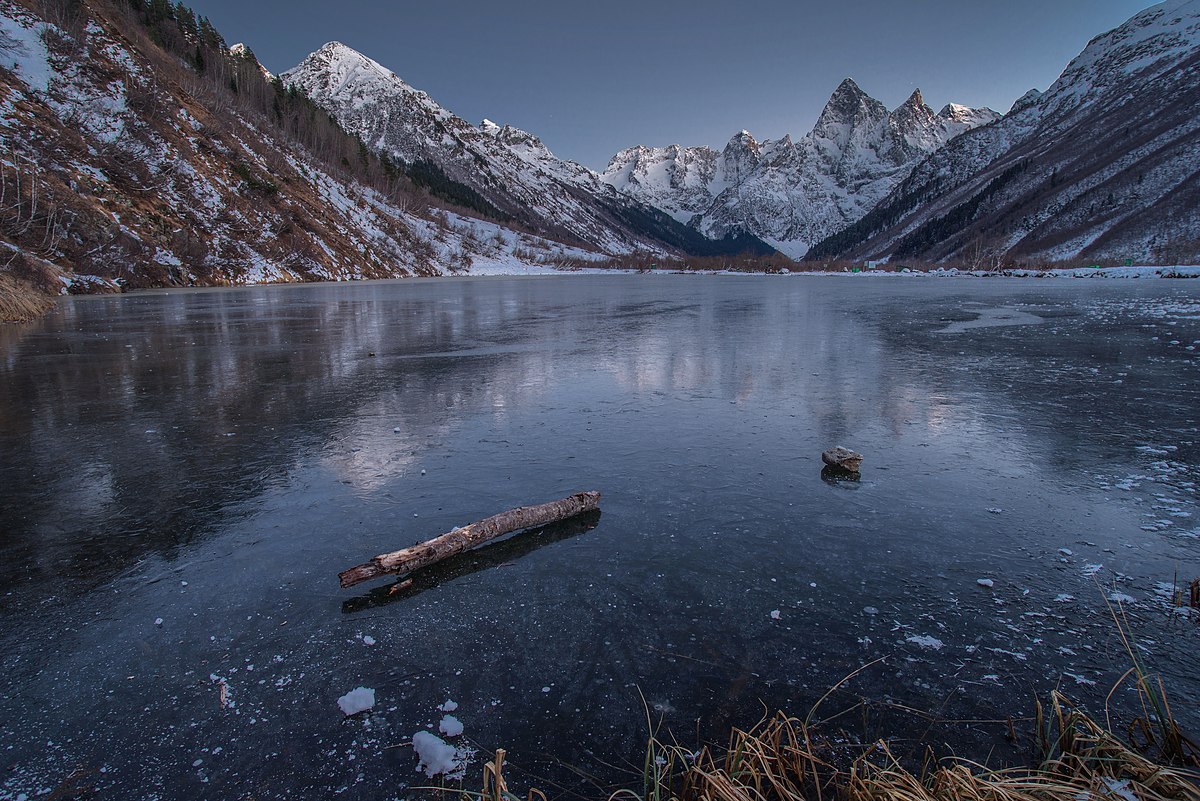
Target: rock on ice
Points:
(450, 726)
(357, 700)
(985, 582)
(435, 754)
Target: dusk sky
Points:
(590, 79)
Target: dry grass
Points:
(22, 301)
(784, 758)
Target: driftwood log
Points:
(460, 539)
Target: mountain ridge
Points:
(512, 169)
(792, 193)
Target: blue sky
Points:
(592, 78)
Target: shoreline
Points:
(34, 304)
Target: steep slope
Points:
(1104, 164)
(792, 194)
(512, 173)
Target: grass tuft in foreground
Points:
(783, 759)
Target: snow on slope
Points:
(1161, 34)
(23, 51)
(792, 194)
(511, 168)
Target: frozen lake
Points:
(183, 474)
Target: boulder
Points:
(842, 459)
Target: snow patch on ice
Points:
(435, 755)
(357, 700)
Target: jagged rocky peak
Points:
(913, 112)
(626, 158)
(740, 157)
(849, 107)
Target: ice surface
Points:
(648, 384)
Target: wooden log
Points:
(460, 539)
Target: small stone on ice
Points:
(450, 726)
(775, 614)
(995, 510)
(396, 430)
(870, 610)
(844, 459)
(985, 582)
(357, 700)
(545, 689)
(158, 621)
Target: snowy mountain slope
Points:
(1102, 165)
(794, 193)
(514, 174)
(124, 166)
